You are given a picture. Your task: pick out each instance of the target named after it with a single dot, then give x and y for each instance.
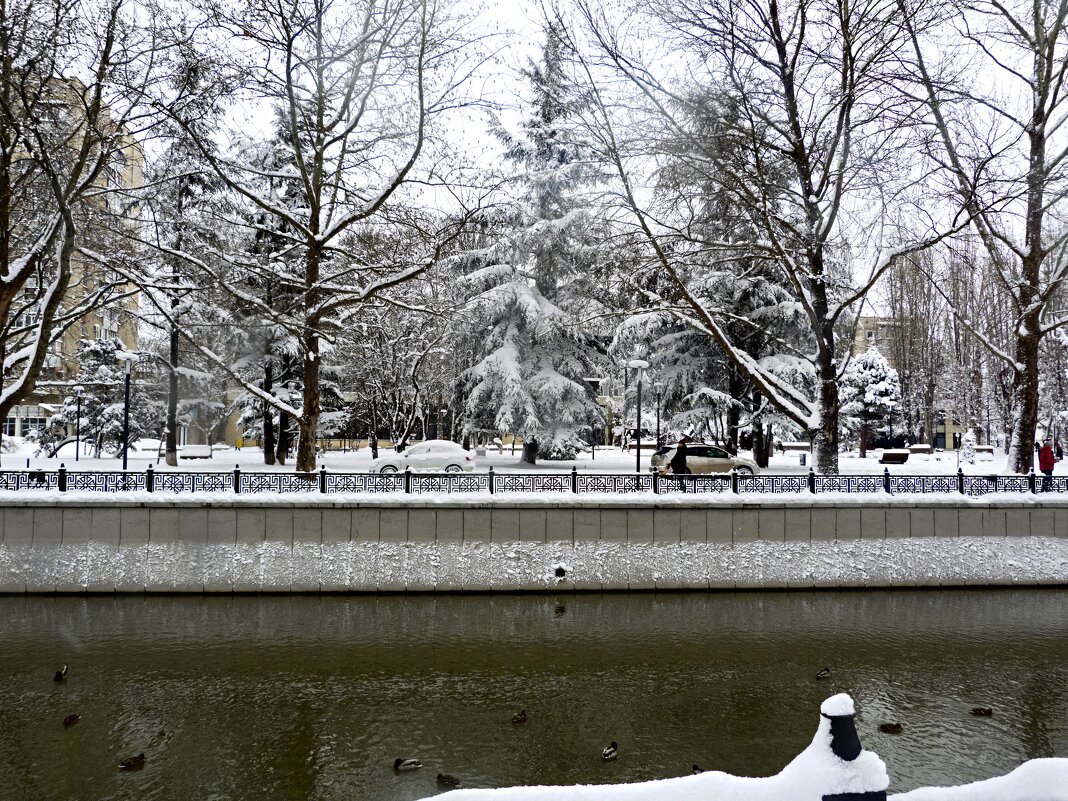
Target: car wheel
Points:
(742, 470)
(454, 468)
(388, 469)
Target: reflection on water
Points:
(314, 697)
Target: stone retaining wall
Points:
(312, 546)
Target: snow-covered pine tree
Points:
(102, 374)
(532, 289)
(869, 390)
(186, 209)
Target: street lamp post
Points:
(659, 387)
(595, 386)
(77, 422)
(638, 365)
(444, 420)
(126, 414)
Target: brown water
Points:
(313, 697)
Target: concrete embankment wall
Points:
(239, 544)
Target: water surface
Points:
(313, 697)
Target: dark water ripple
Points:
(313, 697)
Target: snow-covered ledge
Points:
(78, 542)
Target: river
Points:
(313, 697)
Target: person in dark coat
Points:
(678, 462)
(1046, 461)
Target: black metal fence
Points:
(327, 482)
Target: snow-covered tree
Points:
(102, 376)
(532, 288)
(63, 141)
(802, 90)
(997, 115)
(362, 86)
(870, 390)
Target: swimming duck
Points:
(60, 674)
(520, 716)
(982, 711)
(133, 763)
(610, 751)
(823, 673)
(697, 769)
(445, 780)
(406, 764)
(890, 728)
(70, 720)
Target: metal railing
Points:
(329, 482)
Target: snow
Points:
(837, 705)
(1037, 780)
(20, 455)
(815, 772)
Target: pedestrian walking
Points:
(678, 463)
(1046, 461)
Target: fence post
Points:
(656, 482)
(489, 479)
(886, 480)
(960, 480)
(322, 479)
(61, 479)
(1031, 481)
(574, 479)
(150, 480)
(407, 479)
(811, 480)
(734, 481)
(237, 479)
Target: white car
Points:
(703, 459)
(437, 454)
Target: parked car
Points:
(435, 454)
(702, 458)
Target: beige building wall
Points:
(118, 319)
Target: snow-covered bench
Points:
(894, 457)
(795, 446)
(196, 452)
(921, 448)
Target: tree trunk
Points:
(172, 378)
(373, 437)
(1025, 392)
(530, 451)
(172, 395)
(826, 440)
(312, 397)
(309, 416)
(269, 443)
(736, 388)
(281, 450)
(864, 436)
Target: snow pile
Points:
(1037, 780)
(815, 772)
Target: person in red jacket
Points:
(1046, 461)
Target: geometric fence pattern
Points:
(502, 483)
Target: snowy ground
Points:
(606, 460)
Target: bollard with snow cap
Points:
(845, 744)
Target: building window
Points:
(870, 335)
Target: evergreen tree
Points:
(869, 390)
(533, 288)
(102, 375)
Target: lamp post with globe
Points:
(638, 365)
(77, 422)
